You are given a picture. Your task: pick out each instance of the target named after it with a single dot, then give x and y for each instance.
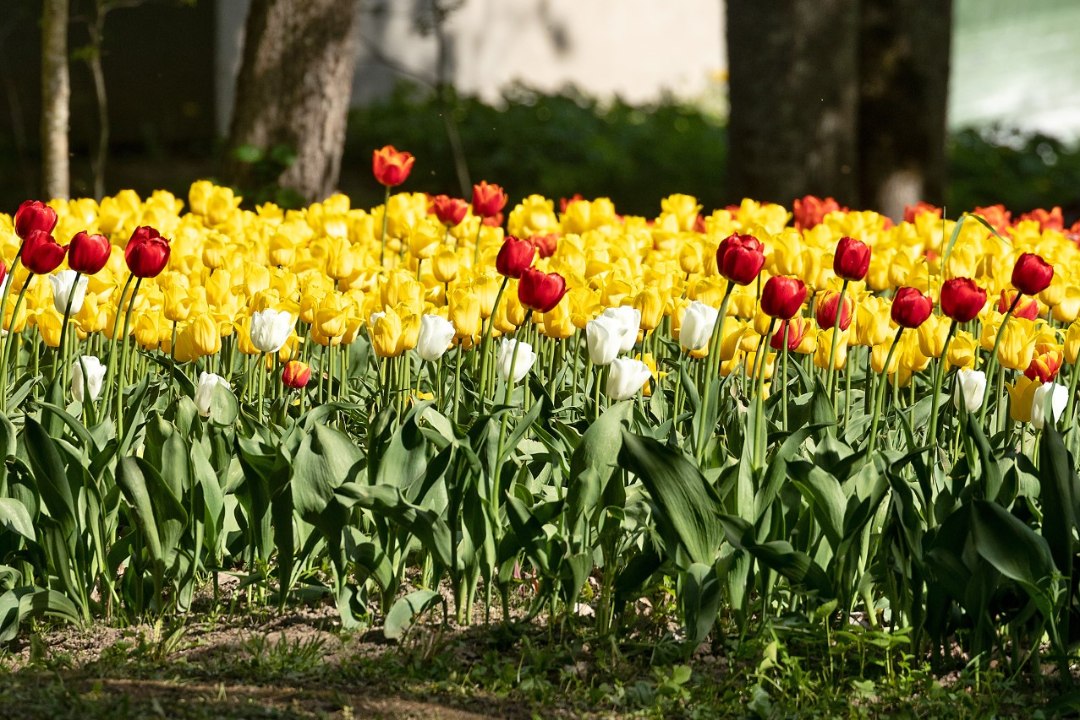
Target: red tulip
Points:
(826, 312)
(1031, 274)
(515, 257)
(740, 258)
(996, 215)
(1048, 220)
(1027, 308)
(540, 291)
(910, 308)
(87, 253)
(3, 272)
(545, 244)
(1045, 365)
(41, 254)
(450, 211)
(34, 215)
(488, 199)
(147, 253)
(851, 259)
(783, 297)
(391, 167)
(961, 299)
(296, 374)
(810, 211)
(796, 332)
(913, 211)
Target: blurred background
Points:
(879, 103)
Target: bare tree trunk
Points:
(55, 99)
(293, 89)
(904, 71)
(794, 98)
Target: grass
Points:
(264, 664)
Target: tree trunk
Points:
(55, 99)
(293, 89)
(794, 98)
(904, 71)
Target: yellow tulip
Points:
(1021, 398)
(1017, 346)
(464, 313)
(1071, 347)
(824, 346)
(444, 265)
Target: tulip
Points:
(629, 319)
(515, 257)
(41, 254)
(88, 374)
(1031, 274)
(1022, 306)
(204, 393)
(740, 258)
(1052, 394)
(34, 215)
(603, 337)
(962, 300)
(546, 245)
(436, 334)
(391, 167)
(541, 291)
(1071, 347)
(514, 361)
(796, 331)
(147, 252)
(810, 211)
(66, 289)
(825, 314)
(296, 374)
(697, 326)
(970, 389)
(488, 199)
(625, 379)
(270, 329)
(88, 253)
(910, 308)
(783, 297)
(851, 259)
(1045, 366)
(450, 211)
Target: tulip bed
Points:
(746, 415)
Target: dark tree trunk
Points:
(903, 88)
(293, 89)
(55, 99)
(793, 91)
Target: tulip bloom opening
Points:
(740, 258)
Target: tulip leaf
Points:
(699, 598)
(1014, 549)
(224, 408)
(50, 475)
(15, 517)
(406, 610)
(598, 449)
(325, 459)
(1059, 490)
(685, 511)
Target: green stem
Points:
(64, 331)
(835, 337)
(881, 393)
(8, 340)
(938, 376)
(485, 339)
(989, 367)
(382, 236)
(712, 369)
(123, 360)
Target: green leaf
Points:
(699, 597)
(685, 510)
(326, 459)
(1059, 492)
(50, 474)
(406, 610)
(248, 154)
(15, 517)
(1014, 549)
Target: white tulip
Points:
(604, 338)
(513, 369)
(630, 320)
(697, 325)
(626, 377)
(970, 389)
(436, 332)
(92, 379)
(1059, 398)
(62, 284)
(270, 329)
(204, 393)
